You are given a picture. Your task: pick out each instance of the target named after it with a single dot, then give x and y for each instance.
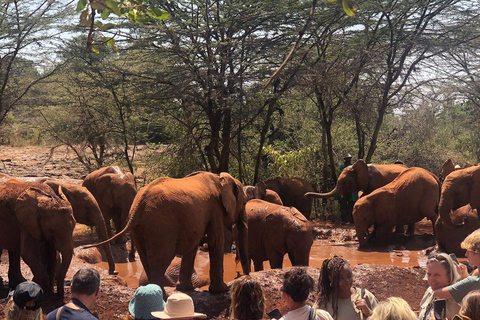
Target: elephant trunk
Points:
(242, 245)
(66, 259)
(102, 235)
(445, 206)
(330, 194)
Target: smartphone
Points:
(440, 309)
(454, 257)
(274, 314)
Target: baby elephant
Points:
(273, 231)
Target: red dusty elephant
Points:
(275, 230)
(409, 198)
(459, 188)
(260, 191)
(170, 216)
(365, 178)
(86, 211)
(292, 191)
(114, 192)
(449, 239)
(35, 223)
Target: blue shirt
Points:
(71, 314)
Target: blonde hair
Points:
(394, 308)
(472, 242)
(248, 300)
(14, 312)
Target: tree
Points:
(27, 30)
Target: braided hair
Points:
(329, 289)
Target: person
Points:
(25, 303)
(441, 272)
(470, 309)
(85, 289)
(178, 306)
(459, 290)
(394, 308)
(346, 202)
(248, 300)
(337, 294)
(295, 290)
(146, 299)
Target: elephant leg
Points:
(258, 265)
(131, 254)
(117, 221)
(292, 258)
(40, 274)
(14, 271)
(411, 229)
(383, 235)
(276, 261)
(186, 271)
(216, 242)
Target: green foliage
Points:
(140, 12)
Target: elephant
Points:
(291, 192)
(449, 239)
(273, 231)
(409, 198)
(364, 178)
(114, 192)
(458, 189)
(448, 167)
(86, 211)
(170, 216)
(36, 223)
(260, 191)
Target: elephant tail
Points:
(135, 216)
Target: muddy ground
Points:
(383, 281)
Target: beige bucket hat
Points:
(178, 306)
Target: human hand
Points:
(462, 269)
(361, 304)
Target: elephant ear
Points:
(261, 189)
(103, 187)
(361, 169)
(228, 192)
(26, 208)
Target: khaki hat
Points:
(178, 306)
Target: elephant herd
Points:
(394, 196)
(169, 217)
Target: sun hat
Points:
(347, 156)
(147, 299)
(178, 306)
(28, 295)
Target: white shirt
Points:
(304, 312)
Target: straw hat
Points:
(178, 306)
(147, 299)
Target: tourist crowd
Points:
(453, 294)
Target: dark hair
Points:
(86, 281)
(248, 301)
(297, 284)
(329, 289)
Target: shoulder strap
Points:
(313, 311)
(59, 311)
